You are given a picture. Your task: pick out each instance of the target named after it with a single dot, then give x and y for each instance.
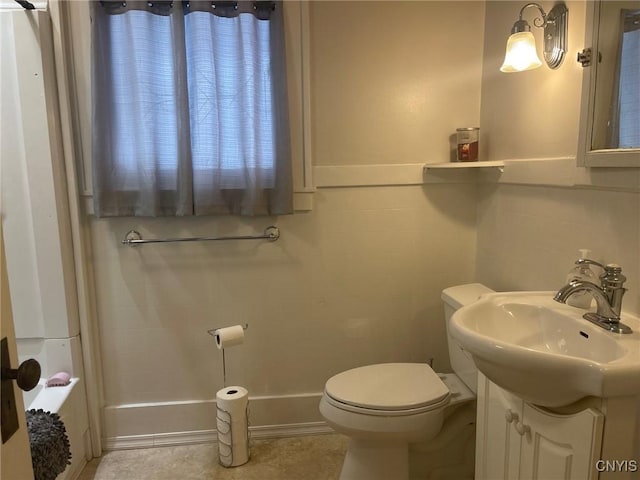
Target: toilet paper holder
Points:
(227, 424)
(212, 332)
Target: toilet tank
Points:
(455, 298)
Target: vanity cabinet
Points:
(515, 440)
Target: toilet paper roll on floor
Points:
(229, 336)
(233, 428)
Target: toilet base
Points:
(375, 460)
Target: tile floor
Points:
(316, 457)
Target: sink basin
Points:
(544, 351)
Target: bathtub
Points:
(68, 402)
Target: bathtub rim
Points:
(49, 399)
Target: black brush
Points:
(25, 4)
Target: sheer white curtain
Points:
(189, 111)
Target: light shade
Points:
(521, 53)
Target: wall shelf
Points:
(463, 172)
(465, 165)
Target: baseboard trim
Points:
(291, 430)
(211, 436)
(142, 425)
(75, 473)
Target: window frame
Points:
(296, 17)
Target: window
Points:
(190, 111)
(628, 97)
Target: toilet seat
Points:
(389, 389)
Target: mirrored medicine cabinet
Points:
(610, 113)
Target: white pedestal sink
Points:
(544, 351)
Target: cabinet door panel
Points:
(497, 442)
(560, 447)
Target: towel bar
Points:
(133, 237)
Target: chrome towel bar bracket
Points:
(133, 237)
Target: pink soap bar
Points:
(60, 379)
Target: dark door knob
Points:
(26, 375)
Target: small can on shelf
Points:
(467, 140)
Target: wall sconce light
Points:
(521, 52)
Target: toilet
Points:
(384, 408)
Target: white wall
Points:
(391, 81)
(528, 236)
(355, 281)
(358, 279)
(34, 211)
(34, 207)
(531, 114)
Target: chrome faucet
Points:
(608, 296)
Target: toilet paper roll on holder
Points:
(212, 332)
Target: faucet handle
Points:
(588, 261)
(609, 268)
(612, 273)
(612, 276)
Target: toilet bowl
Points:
(383, 408)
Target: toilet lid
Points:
(388, 386)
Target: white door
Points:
(561, 446)
(15, 453)
(497, 441)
